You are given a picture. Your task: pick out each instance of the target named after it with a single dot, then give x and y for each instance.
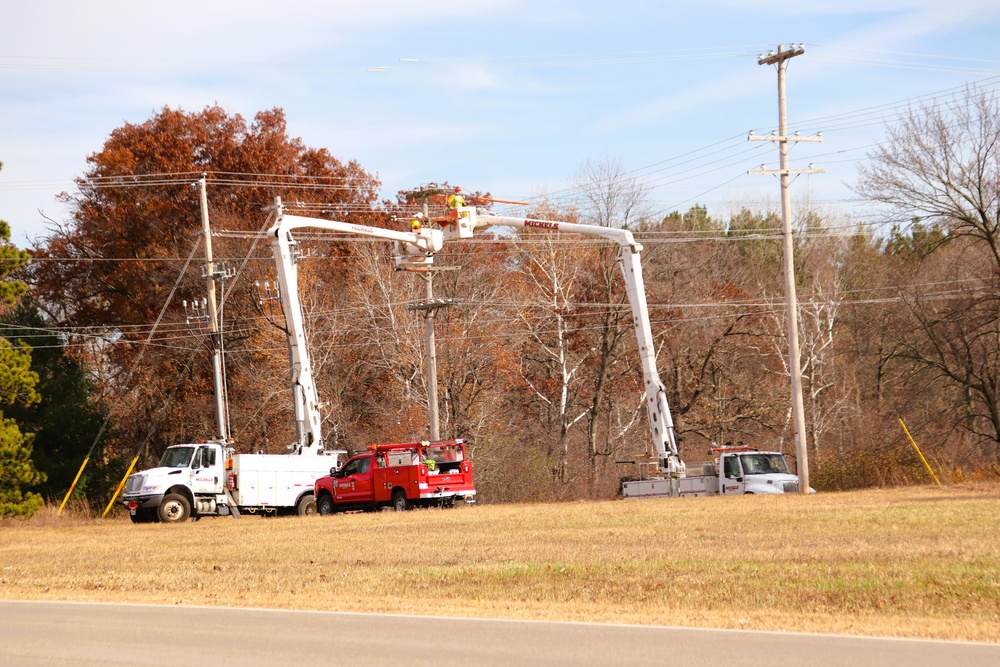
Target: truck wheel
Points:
(324, 506)
(307, 505)
(174, 508)
(400, 502)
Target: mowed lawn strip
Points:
(918, 562)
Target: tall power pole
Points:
(430, 306)
(780, 58)
(215, 336)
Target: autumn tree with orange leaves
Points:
(130, 250)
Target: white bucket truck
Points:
(204, 479)
(735, 471)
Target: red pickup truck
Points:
(400, 476)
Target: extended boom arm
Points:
(661, 424)
(412, 247)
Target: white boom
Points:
(412, 248)
(661, 424)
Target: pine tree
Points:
(17, 387)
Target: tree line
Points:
(537, 366)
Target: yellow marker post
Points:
(120, 485)
(921, 454)
(73, 485)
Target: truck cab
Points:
(755, 472)
(189, 478)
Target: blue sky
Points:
(509, 96)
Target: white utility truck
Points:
(207, 479)
(735, 471)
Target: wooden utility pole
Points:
(780, 58)
(430, 305)
(215, 336)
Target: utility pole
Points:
(215, 337)
(432, 367)
(430, 306)
(780, 58)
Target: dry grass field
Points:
(916, 562)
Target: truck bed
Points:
(276, 480)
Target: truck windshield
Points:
(176, 457)
(762, 464)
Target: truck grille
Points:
(791, 487)
(134, 483)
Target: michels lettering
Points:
(541, 224)
(361, 229)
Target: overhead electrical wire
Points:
(671, 171)
(683, 170)
(118, 334)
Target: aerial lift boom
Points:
(469, 220)
(414, 247)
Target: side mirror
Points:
(333, 471)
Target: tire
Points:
(324, 506)
(307, 505)
(400, 502)
(175, 508)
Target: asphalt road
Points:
(37, 634)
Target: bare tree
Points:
(550, 366)
(615, 198)
(942, 163)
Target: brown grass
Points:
(917, 562)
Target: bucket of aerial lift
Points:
(408, 254)
(459, 224)
(420, 251)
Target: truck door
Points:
(732, 476)
(207, 474)
(355, 483)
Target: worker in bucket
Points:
(455, 199)
(417, 222)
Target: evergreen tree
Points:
(66, 420)
(17, 387)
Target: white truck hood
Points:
(155, 480)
